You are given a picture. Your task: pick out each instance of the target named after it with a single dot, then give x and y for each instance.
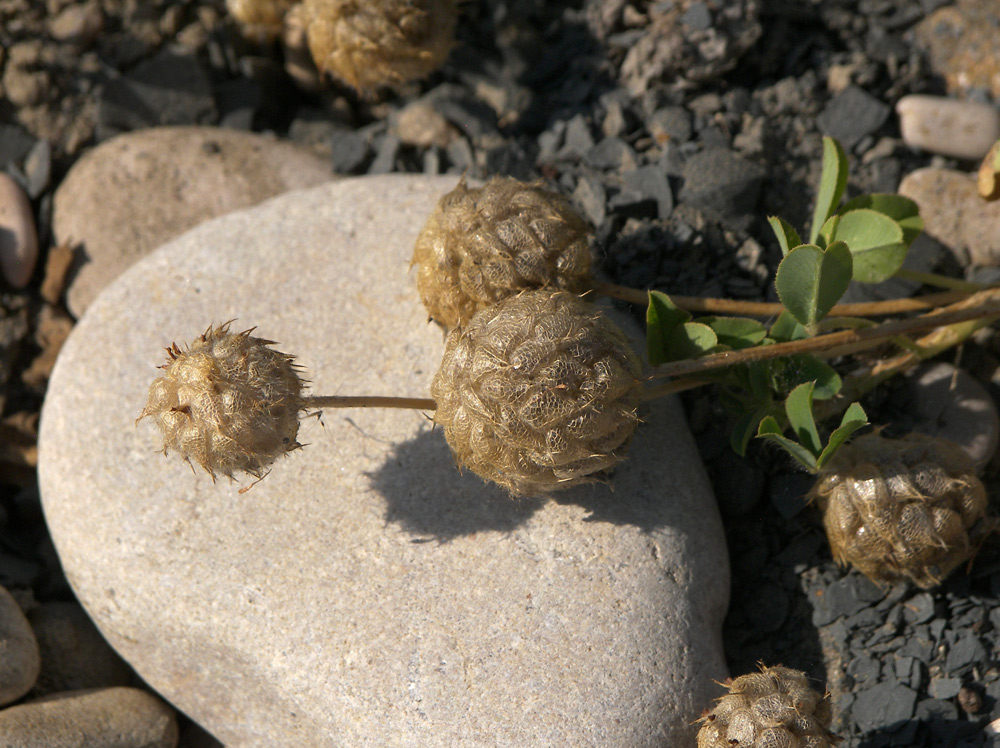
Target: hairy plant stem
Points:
(772, 309)
(983, 307)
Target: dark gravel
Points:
(677, 181)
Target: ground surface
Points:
(564, 92)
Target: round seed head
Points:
(261, 18)
(373, 43)
(775, 708)
(909, 508)
(538, 392)
(484, 244)
(228, 402)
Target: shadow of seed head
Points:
(484, 244)
(228, 402)
(909, 508)
(377, 43)
(775, 708)
(538, 393)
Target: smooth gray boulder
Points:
(365, 592)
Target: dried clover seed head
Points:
(228, 402)
(485, 244)
(260, 17)
(373, 43)
(909, 508)
(538, 393)
(775, 708)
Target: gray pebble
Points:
(611, 154)
(591, 196)
(723, 184)
(74, 654)
(884, 706)
(19, 660)
(652, 182)
(670, 123)
(577, 139)
(38, 168)
(349, 150)
(103, 718)
(18, 237)
(851, 115)
(964, 653)
(385, 155)
(919, 608)
(944, 688)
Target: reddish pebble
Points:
(18, 238)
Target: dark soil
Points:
(678, 180)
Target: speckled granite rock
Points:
(365, 592)
(134, 192)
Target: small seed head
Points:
(228, 402)
(260, 18)
(484, 244)
(373, 43)
(909, 508)
(775, 708)
(538, 392)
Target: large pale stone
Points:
(365, 593)
(134, 192)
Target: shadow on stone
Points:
(427, 495)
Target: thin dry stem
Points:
(982, 307)
(772, 309)
(369, 401)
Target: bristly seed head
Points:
(538, 393)
(485, 244)
(228, 402)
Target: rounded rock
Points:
(19, 658)
(369, 578)
(962, 129)
(955, 214)
(939, 399)
(74, 654)
(18, 237)
(133, 192)
(102, 718)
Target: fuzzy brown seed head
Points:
(775, 708)
(538, 393)
(373, 43)
(909, 508)
(484, 244)
(228, 402)
(263, 18)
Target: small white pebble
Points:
(962, 129)
(18, 238)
